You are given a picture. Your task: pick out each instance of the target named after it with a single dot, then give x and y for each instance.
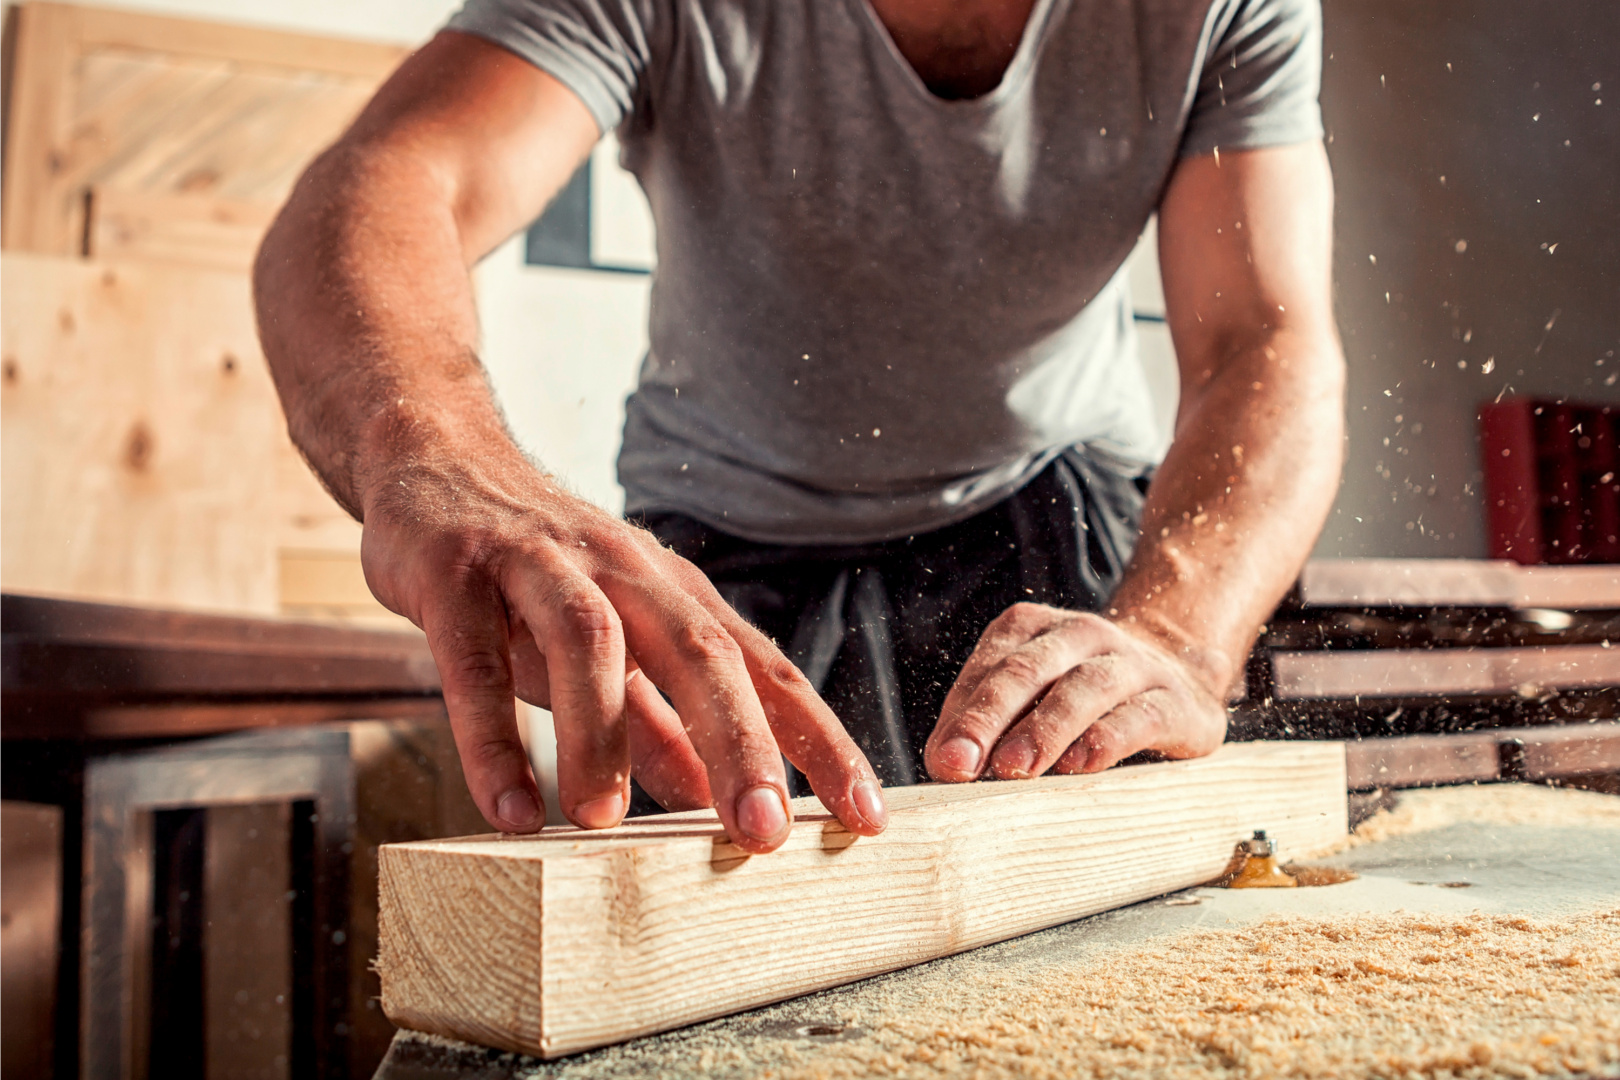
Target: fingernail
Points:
(960, 755)
(517, 808)
(760, 813)
(868, 799)
(603, 813)
(1016, 756)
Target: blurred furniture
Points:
(142, 993)
(1552, 480)
(222, 784)
(30, 928)
(1381, 647)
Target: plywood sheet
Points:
(140, 436)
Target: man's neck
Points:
(958, 48)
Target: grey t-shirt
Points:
(876, 312)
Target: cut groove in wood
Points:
(571, 940)
(1413, 672)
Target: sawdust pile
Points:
(1423, 809)
(1371, 996)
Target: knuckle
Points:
(589, 620)
(705, 641)
(784, 677)
(1092, 623)
(489, 753)
(1096, 676)
(466, 550)
(1153, 711)
(1025, 613)
(1105, 740)
(646, 542)
(616, 545)
(1021, 669)
(475, 667)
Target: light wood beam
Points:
(1394, 673)
(1456, 583)
(571, 940)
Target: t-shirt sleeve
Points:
(1261, 80)
(599, 49)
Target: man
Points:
(891, 411)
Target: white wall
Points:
(562, 348)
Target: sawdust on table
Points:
(1422, 809)
(1344, 997)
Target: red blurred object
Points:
(1552, 493)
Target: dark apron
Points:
(881, 630)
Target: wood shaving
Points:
(1422, 809)
(1347, 998)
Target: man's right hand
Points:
(525, 589)
(367, 317)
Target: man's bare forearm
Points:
(1240, 499)
(366, 313)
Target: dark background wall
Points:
(1476, 150)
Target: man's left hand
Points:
(1049, 689)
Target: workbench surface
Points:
(1538, 870)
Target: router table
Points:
(1536, 870)
(1436, 672)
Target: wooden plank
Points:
(1566, 750)
(408, 786)
(115, 28)
(1567, 587)
(1405, 761)
(39, 109)
(96, 653)
(572, 940)
(30, 924)
(162, 227)
(46, 718)
(331, 586)
(140, 433)
(1541, 753)
(1393, 673)
(1458, 583)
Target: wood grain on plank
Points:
(572, 940)
(1422, 672)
